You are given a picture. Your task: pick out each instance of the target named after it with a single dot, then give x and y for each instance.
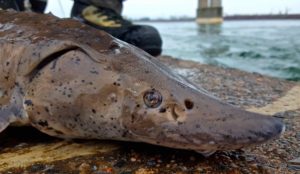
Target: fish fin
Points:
(5, 118)
(13, 111)
(206, 153)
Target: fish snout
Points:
(265, 128)
(225, 131)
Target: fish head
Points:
(162, 108)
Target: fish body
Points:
(72, 81)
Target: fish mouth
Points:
(283, 130)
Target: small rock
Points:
(192, 158)
(132, 159)
(294, 164)
(37, 167)
(295, 161)
(151, 163)
(95, 168)
(253, 166)
(144, 171)
(126, 172)
(84, 168)
(234, 166)
(183, 168)
(120, 163)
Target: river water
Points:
(267, 47)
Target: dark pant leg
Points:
(7, 4)
(38, 5)
(115, 5)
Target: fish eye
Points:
(152, 98)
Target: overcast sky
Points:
(167, 8)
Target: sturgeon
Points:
(69, 80)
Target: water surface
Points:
(267, 47)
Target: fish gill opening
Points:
(50, 58)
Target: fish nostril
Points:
(188, 104)
(162, 110)
(174, 114)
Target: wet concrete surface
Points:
(26, 150)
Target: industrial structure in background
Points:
(209, 12)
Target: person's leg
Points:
(115, 5)
(20, 4)
(9, 4)
(38, 6)
(105, 15)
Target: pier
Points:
(209, 12)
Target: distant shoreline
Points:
(263, 17)
(231, 18)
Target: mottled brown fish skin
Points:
(72, 81)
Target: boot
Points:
(142, 36)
